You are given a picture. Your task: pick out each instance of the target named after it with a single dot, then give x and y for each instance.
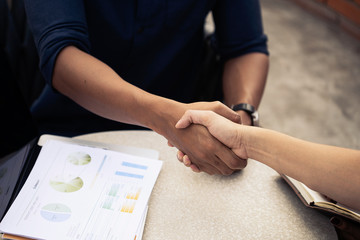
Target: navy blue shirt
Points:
(156, 45)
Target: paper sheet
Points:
(79, 192)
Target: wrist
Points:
(247, 112)
(245, 117)
(251, 142)
(262, 145)
(164, 115)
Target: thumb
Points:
(194, 116)
(184, 121)
(228, 113)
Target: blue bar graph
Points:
(134, 165)
(131, 175)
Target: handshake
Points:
(230, 134)
(214, 143)
(330, 170)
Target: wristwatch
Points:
(248, 108)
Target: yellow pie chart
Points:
(72, 185)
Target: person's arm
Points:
(244, 48)
(242, 45)
(96, 87)
(60, 24)
(330, 170)
(244, 81)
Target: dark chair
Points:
(17, 83)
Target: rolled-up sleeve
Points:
(239, 28)
(56, 24)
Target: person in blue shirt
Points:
(110, 63)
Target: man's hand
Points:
(242, 118)
(227, 132)
(207, 154)
(245, 118)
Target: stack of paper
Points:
(81, 192)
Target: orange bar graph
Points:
(128, 206)
(137, 195)
(131, 209)
(134, 196)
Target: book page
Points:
(317, 199)
(79, 192)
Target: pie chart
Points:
(71, 185)
(79, 158)
(55, 212)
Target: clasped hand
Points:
(199, 148)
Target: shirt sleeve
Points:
(238, 28)
(56, 24)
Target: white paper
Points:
(79, 192)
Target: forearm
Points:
(96, 87)
(244, 79)
(327, 169)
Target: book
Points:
(79, 190)
(317, 200)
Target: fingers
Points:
(226, 112)
(180, 156)
(170, 144)
(233, 161)
(213, 157)
(204, 117)
(185, 120)
(245, 118)
(236, 165)
(183, 158)
(194, 168)
(204, 151)
(186, 161)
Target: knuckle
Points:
(235, 163)
(238, 163)
(228, 172)
(208, 169)
(211, 145)
(244, 161)
(201, 156)
(217, 163)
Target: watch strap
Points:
(249, 109)
(244, 106)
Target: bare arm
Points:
(96, 87)
(330, 170)
(244, 81)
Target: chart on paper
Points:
(78, 192)
(117, 201)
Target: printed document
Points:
(81, 192)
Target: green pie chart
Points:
(79, 158)
(72, 185)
